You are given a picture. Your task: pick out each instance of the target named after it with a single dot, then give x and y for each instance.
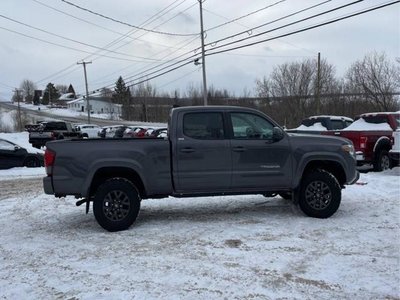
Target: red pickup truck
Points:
(371, 135)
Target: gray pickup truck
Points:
(214, 150)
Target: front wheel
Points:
(116, 204)
(320, 194)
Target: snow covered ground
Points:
(236, 247)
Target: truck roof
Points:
(214, 108)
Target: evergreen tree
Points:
(50, 94)
(122, 95)
(120, 91)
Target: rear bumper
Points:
(360, 156)
(48, 186)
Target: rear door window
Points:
(204, 126)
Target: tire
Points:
(320, 194)
(32, 162)
(116, 204)
(382, 161)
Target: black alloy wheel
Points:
(320, 194)
(116, 204)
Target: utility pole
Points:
(87, 90)
(318, 82)
(203, 57)
(19, 110)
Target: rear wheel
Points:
(31, 162)
(320, 194)
(116, 204)
(382, 161)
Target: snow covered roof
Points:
(315, 127)
(380, 113)
(67, 96)
(82, 99)
(332, 117)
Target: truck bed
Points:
(71, 169)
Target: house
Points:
(98, 105)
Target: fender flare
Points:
(110, 163)
(381, 142)
(314, 157)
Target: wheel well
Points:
(383, 144)
(104, 174)
(332, 167)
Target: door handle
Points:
(187, 150)
(239, 149)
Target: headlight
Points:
(349, 149)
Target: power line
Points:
(151, 68)
(304, 29)
(176, 79)
(258, 42)
(127, 24)
(250, 31)
(8, 86)
(222, 46)
(141, 76)
(161, 74)
(63, 46)
(72, 40)
(99, 26)
(244, 16)
(161, 13)
(285, 25)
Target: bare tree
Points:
(28, 88)
(377, 78)
(141, 95)
(289, 93)
(62, 89)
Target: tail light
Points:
(49, 158)
(363, 142)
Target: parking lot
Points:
(236, 247)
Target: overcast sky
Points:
(135, 51)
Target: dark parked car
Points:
(12, 155)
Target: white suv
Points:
(88, 130)
(395, 152)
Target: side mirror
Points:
(16, 148)
(277, 134)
